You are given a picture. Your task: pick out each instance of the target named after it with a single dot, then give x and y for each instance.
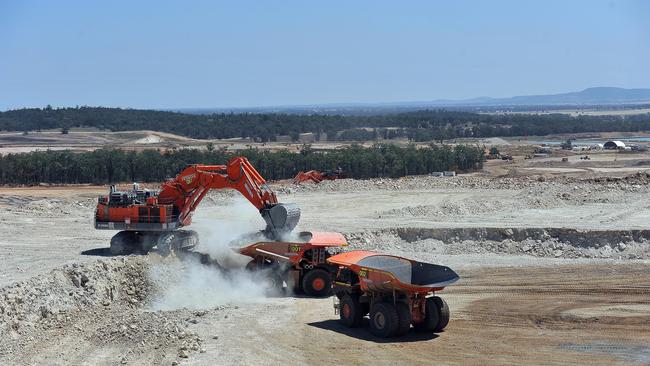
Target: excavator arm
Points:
(188, 189)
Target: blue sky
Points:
(170, 54)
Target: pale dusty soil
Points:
(543, 299)
(91, 139)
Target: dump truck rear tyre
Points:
(317, 283)
(431, 316)
(404, 314)
(350, 311)
(384, 320)
(443, 312)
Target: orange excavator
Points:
(317, 176)
(153, 218)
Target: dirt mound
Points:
(74, 286)
(494, 141)
(102, 303)
(149, 139)
(146, 329)
(462, 208)
(639, 178)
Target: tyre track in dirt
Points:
(497, 321)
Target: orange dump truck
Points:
(301, 263)
(395, 292)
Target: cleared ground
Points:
(88, 139)
(553, 271)
(585, 112)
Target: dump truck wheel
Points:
(122, 243)
(443, 311)
(350, 311)
(273, 283)
(431, 316)
(252, 266)
(270, 277)
(384, 320)
(317, 283)
(404, 314)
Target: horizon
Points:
(254, 55)
(437, 103)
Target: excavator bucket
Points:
(281, 218)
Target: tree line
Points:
(106, 166)
(427, 125)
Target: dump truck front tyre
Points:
(317, 283)
(431, 316)
(384, 320)
(350, 311)
(443, 312)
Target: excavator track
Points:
(166, 242)
(175, 241)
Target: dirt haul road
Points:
(533, 289)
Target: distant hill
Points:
(599, 96)
(590, 96)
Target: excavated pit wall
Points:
(574, 237)
(536, 242)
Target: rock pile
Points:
(75, 286)
(631, 183)
(106, 303)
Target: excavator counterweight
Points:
(152, 218)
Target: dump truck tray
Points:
(387, 273)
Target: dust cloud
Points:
(226, 226)
(189, 284)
